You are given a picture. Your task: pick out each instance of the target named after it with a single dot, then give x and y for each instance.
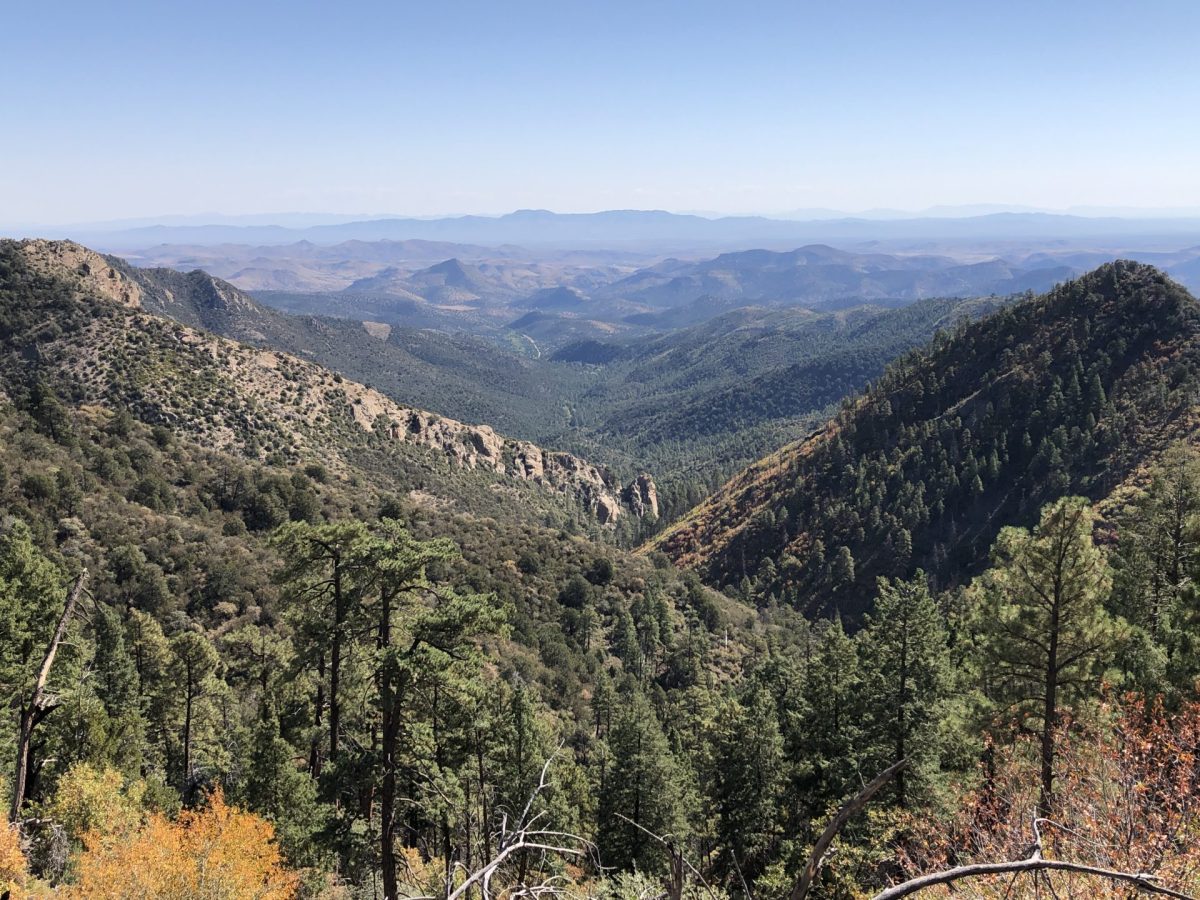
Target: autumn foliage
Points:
(12, 861)
(218, 852)
(1127, 798)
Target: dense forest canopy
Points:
(1070, 392)
(243, 662)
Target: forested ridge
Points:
(317, 665)
(1070, 392)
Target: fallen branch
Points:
(1035, 863)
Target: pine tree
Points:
(642, 789)
(905, 663)
(275, 787)
(193, 660)
(829, 728)
(745, 780)
(1041, 628)
(322, 578)
(423, 640)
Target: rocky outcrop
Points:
(267, 391)
(479, 447)
(93, 273)
(642, 497)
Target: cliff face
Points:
(642, 497)
(480, 447)
(255, 400)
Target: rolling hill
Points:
(820, 276)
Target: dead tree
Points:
(38, 706)
(524, 834)
(679, 865)
(1035, 863)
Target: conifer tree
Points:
(829, 728)
(1042, 632)
(642, 790)
(322, 578)
(905, 662)
(745, 777)
(193, 659)
(276, 788)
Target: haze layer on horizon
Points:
(128, 110)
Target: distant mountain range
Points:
(656, 228)
(553, 305)
(819, 275)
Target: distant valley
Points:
(688, 368)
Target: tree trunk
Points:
(1050, 711)
(901, 719)
(389, 741)
(335, 659)
(187, 735)
(29, 712)
(314, 750)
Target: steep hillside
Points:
(84, 323)
(1071, 392)
(695, 406)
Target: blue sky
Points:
(117, 110)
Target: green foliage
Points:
(905, 657)
(980, 429)
(392, 659)
(745, 782)
(641, 790)
(1156, 571)
(1042, 634)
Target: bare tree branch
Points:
(838, 822)
(678, 860)
(524, 836)
(1143, 881)
(38, 704)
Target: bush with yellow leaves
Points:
(13, 868)
(218, 852)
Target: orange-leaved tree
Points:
(13, 867)
(1128, 800)
(218, 852)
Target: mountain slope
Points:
(1070, 392)
(84, 323)
(696, 406)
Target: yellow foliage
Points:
(92, 801)
(218, 853)
(12, 861)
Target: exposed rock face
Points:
(642, 497)
(96, 275)
(269, 391)
(480, 447)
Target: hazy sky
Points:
(118, 109)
